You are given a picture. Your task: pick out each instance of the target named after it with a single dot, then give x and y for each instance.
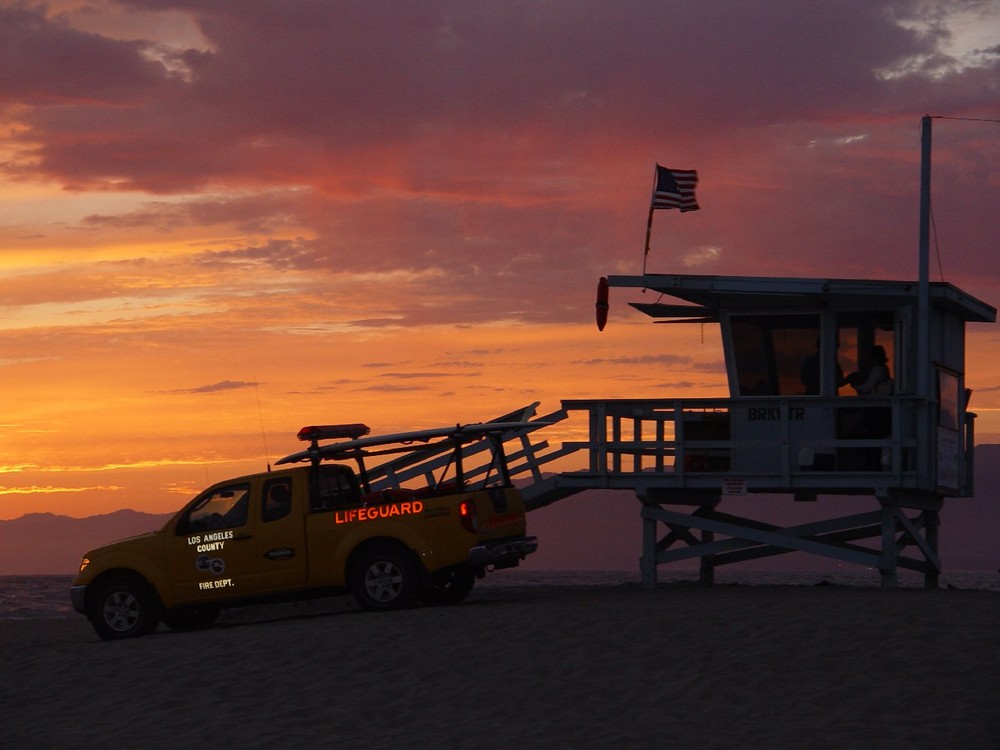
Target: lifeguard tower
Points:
(803, 417)
(797, 352)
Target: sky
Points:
(220, 221)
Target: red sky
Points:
(220, 221)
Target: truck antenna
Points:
(263, 432)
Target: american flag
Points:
(675, 189)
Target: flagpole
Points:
(923, 302)
(649, 221)
(649, 231)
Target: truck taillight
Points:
(468, 515)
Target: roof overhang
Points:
(708, 295)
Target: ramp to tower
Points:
(515, 448)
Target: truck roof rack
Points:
(401, 441)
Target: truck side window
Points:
(223, 508)
(332, 488)
(277, 499)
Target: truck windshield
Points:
(221, 508)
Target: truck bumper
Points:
(78, 597)
(503, 553)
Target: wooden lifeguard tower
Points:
(794, 424)
(802, 418)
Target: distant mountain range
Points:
(46, 543)
(596, 530)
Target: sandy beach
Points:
(680, 666)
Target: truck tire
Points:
(123, 607)
(451, 586)
(384, 577)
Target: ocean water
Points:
(47, 597)
(35, 597)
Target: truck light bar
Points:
(329, 431)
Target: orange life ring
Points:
(601, 307)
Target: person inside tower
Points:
(876, 380)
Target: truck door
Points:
(211, 555)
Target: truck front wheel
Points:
(384, 577)
(123, 607)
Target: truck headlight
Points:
(83, 564)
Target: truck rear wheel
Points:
(385, 577)
(123, 607)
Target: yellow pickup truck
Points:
(312, 530)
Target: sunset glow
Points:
(220, 221)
